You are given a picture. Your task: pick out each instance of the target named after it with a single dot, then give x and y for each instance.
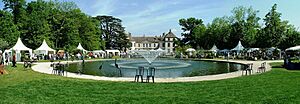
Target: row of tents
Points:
(44, 49)
(238, 48)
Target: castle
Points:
(164, 41)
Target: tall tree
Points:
(36, 25)
(188, 25)
(113, 32)
(200, 37)
(291, 36)
(219, 31)
(17, 7)
(3, 45)
(8, 30)
(244, 26)
(251, 28)
(272, 33)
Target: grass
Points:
(26, 86)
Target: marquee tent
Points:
(295, 48)
(239, 47)
(19, 46)
(100, 53)
(190, 50)
(44, 49)
(214, 48)
(81, 48)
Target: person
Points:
(14, 61)
(6, 58)
(1, 59)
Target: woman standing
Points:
(14, 61)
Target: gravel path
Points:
(45, 68)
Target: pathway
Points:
(45, 68)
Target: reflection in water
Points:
(165, 68)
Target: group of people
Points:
(4, 60)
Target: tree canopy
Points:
(62, 24)
(243, 25)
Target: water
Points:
(165, 68)
(149, 55)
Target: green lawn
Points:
(26, 86)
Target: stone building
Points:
(164, 41)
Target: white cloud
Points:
(104, 7)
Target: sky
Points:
(154, 17)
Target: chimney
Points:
(170, 30)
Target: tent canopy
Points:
(239, 47)
(252, 49)
(214, 48)
(295, 48)
(80, 47)
(45, 47)
(19, 46)
(190, 50)
(98, 51)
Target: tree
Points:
(188, 26)
(200, 37)
(291, 36)
(16, 7)
(89, 33)
(244, 26)
(251, 28)
(36, 25)
(272, 34)
(3, 44)
(8, 30)
(219, 31)
(113, 33)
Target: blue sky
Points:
(153, 17)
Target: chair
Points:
(262, 68)
(248, 69)
(61, 69)
(139, 73)
(150, 74)
(54, 69)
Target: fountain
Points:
(149, 55)
(167, 68)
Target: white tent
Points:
(44, 49)
(239, 47)
(81, 48)
(19, 46)
(113, 52)
(214, 48)
(252, 49)
(190, 50)
(295, 48)
(100, 53)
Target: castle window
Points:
(168, 44)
